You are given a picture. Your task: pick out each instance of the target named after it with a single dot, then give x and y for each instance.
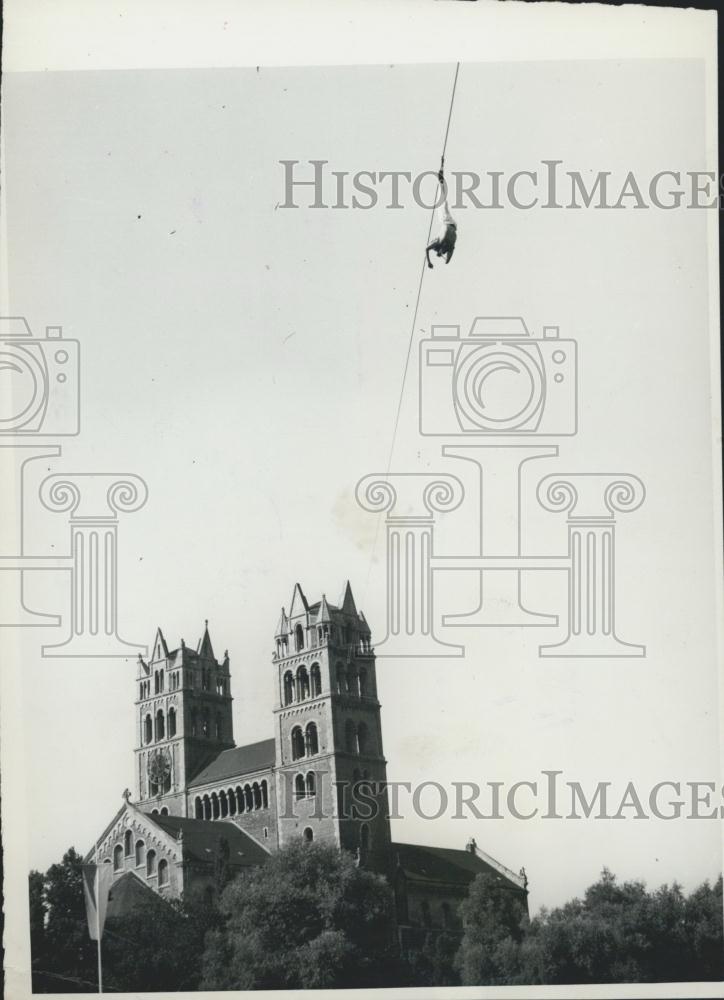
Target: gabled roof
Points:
(236, 762)
(445, 864)
(126, 893)
(200, 840)
(299, 605)
(159, 646)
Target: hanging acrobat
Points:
(444, 245)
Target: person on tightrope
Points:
(444, 245)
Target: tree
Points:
(617, 933)
(431, 962)
(494, 919)
(65, 949)
(703, 918)
(159, 945)
(222, 870)
(309, 919)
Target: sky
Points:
(246, 360)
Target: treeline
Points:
(617, 933)
(310, 918)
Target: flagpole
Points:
(98, 921)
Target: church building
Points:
(321, 776)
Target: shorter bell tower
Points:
(183, 720)
(328, 729)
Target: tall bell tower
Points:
(328, 729)
(183, 720)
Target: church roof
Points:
(236, 762)
(127, 892)
(200, 840)
(444, 864)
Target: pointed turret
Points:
(282, 625)
(204, 648)
(299, 605)
(323, 615)
(347, 603)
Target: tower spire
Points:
(347, 604)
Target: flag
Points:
(96, 884)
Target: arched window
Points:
(194, 722)
(311, 740)
(117, 857)
(299, 638)
(206, 723)
(363, 683)
(302, 683)
(163, 872)
(264, 795)
(341, 679)
(128, 843)
(172, 722)
(308, 835)
(231, 799)
(352, 683)
(156, 683)
(198, 808)
(218, 726)
(207, 807)
(256, 791)
(288, 687)
(316, 680)
(164, 811)
(214, 805)
(426, 918)
(140, 853)
(239, 799)
(154, 812)
(160, 727)
(147, 729)
(311, 785)
(364, 837)
(299, 789)
(350, 736)
(223, 804)
(297, 743)
(151, 863)
(362, 738)
(248, 798)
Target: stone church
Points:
(321, 776)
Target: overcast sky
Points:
(246, 360)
